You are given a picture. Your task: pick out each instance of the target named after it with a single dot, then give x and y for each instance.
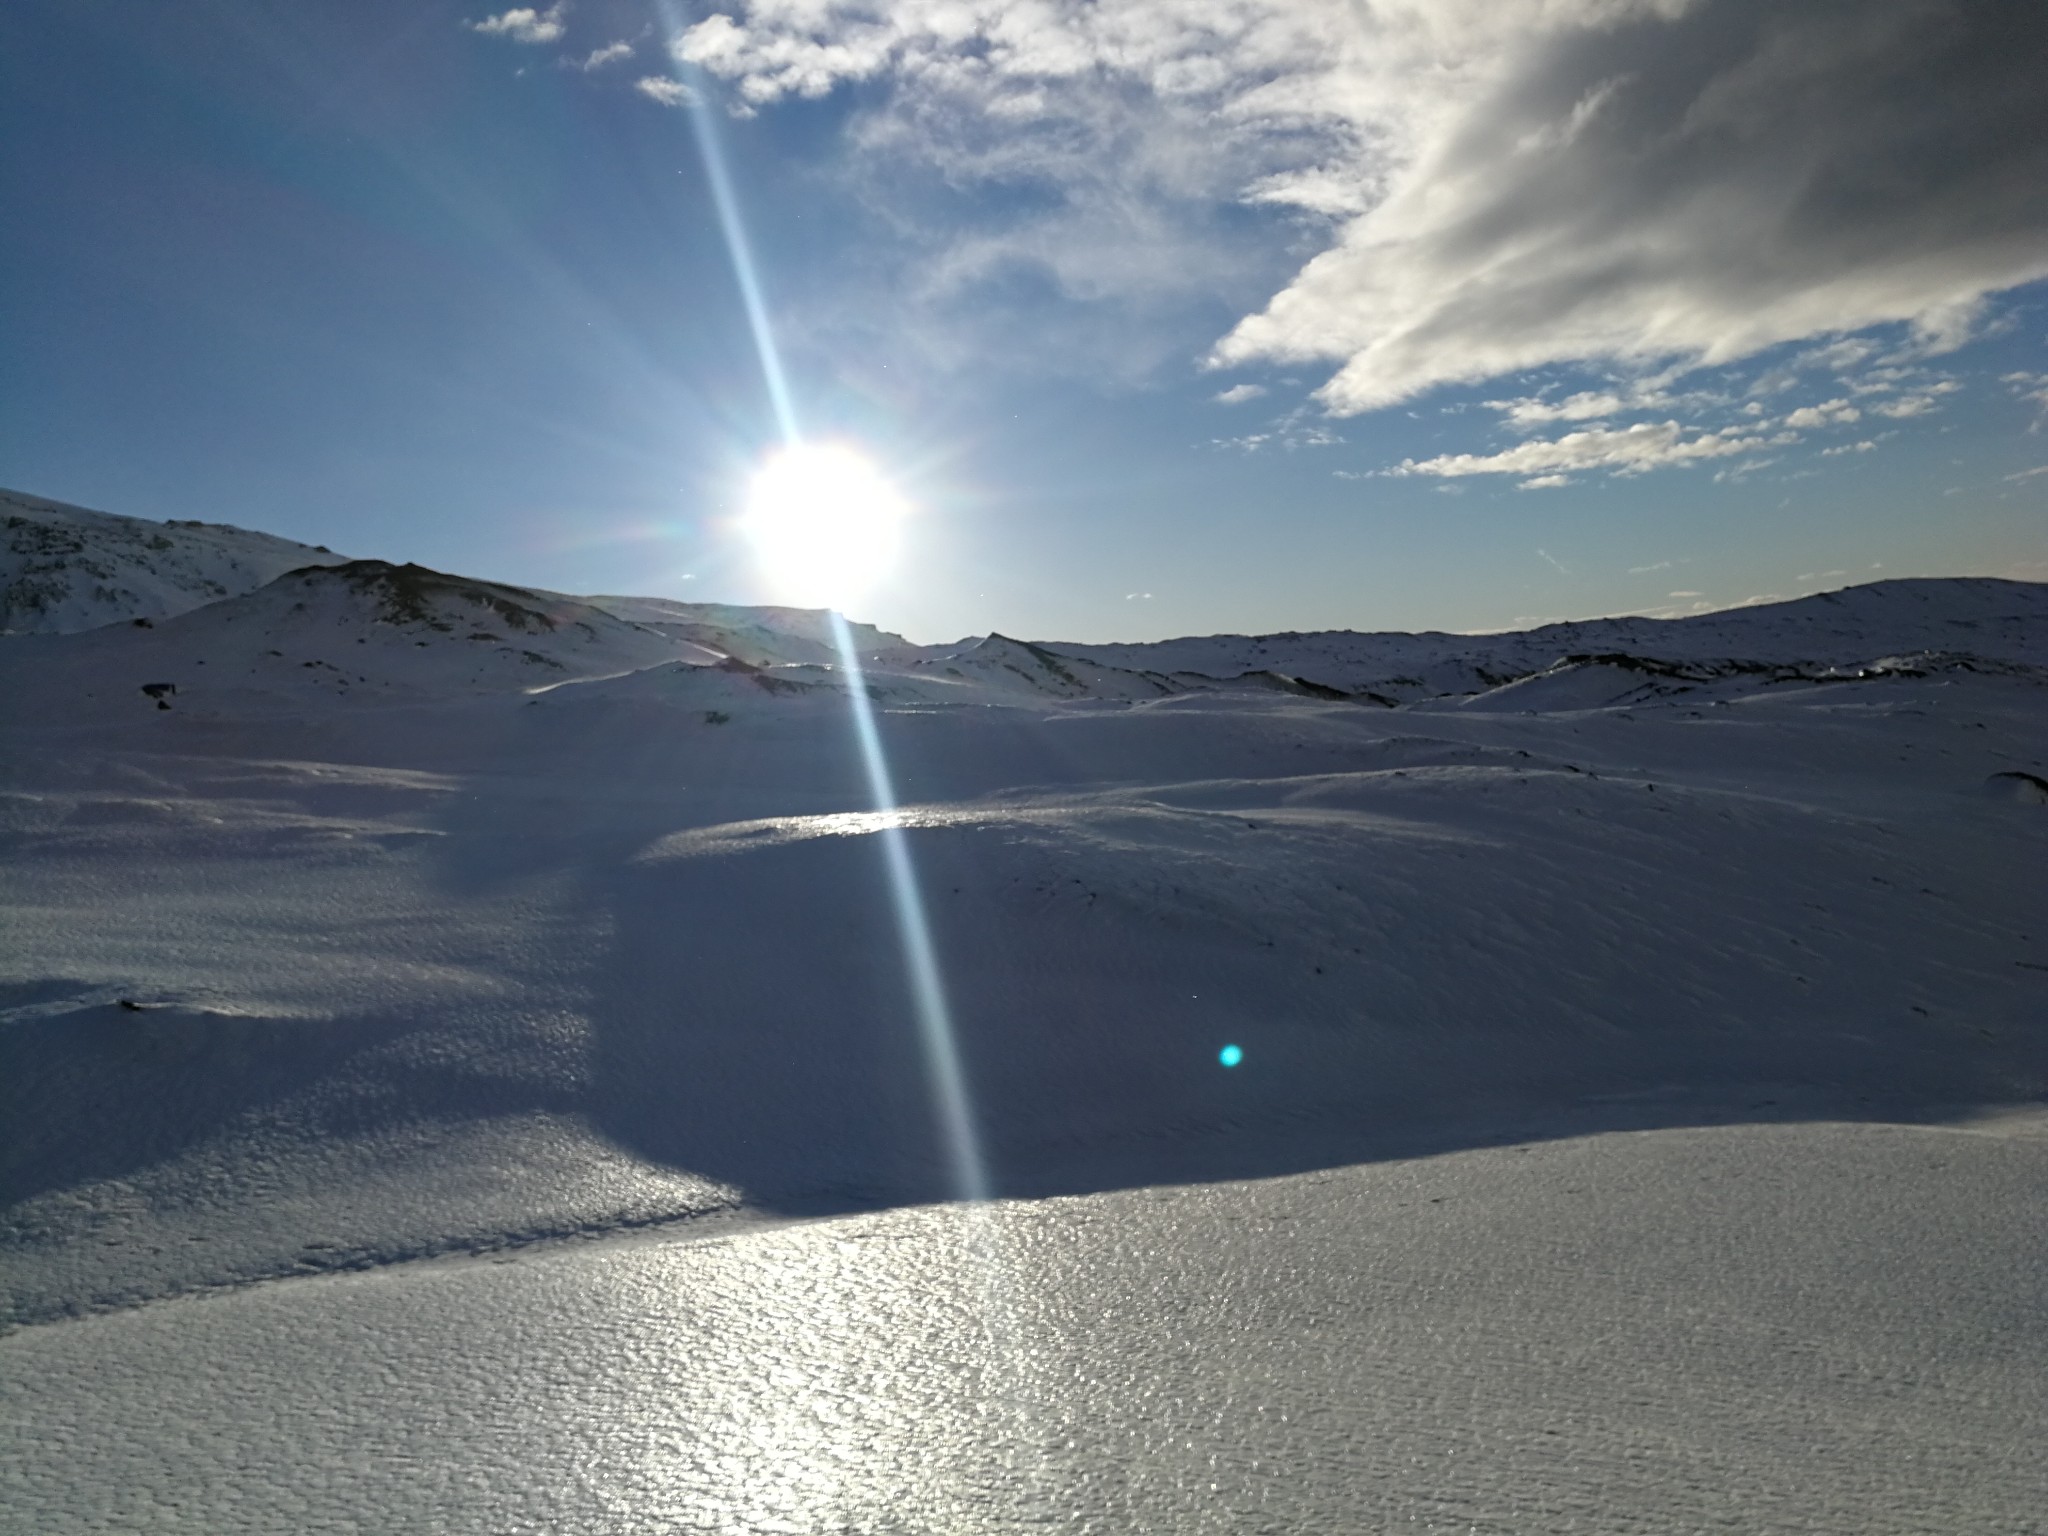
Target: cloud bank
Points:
(1490, 188)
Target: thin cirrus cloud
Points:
(1501, 188)
(1646, 445)
(598, 58)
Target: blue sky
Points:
(1167, 318)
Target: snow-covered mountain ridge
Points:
(1998, 620)
(65, 568)
(74, 570)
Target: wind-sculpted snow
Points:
(379, 917)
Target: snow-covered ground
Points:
(1644, 1038)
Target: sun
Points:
(824, 522)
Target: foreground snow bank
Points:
(1825, 1330)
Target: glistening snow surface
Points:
(1768, 1330)
(430, 924)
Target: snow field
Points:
(457, 1072)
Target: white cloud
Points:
(524, 24)
(1237, 394)
(2027, 474)
(1682, 594)
(597, 58)
(1544, 483)
(1905, 406)
(670, 93)
(1623, 450)
(1535, 412)
(1828, 413)
(1838, 356)
(1865, 446)
(1493, 187)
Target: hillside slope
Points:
(65, 568)
(354, 631)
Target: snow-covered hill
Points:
(762, 636)
(1978, 616)
(64, 568)
(353, 631)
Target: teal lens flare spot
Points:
(1230, 1055)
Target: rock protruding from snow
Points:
(64, 569)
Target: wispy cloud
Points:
(1237, 394)
(1622, 450)
(670, 93)
(597, 58)
(1838, 356)
(1587, 405)
(524, 24)
(2033, 388)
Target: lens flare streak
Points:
(920, 956)
(948, 1079)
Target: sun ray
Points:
(813, 498)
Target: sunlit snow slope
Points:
(378, 915)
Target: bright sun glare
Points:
(823, 521)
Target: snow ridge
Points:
(65, 568)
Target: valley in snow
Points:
(461, 1068)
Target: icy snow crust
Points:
(1645, 1038)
